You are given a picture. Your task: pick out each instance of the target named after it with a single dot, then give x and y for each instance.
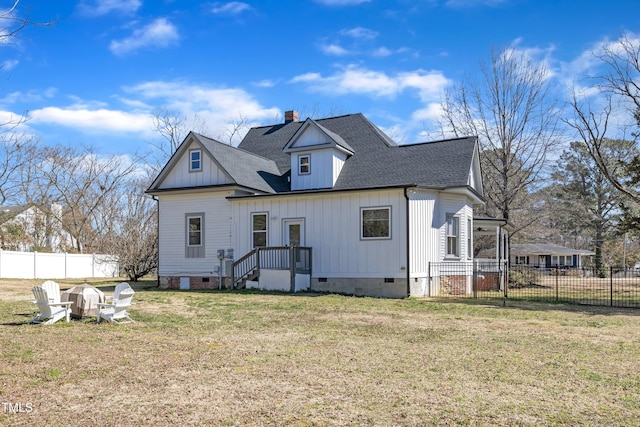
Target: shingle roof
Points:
(545, 249)
(245, 168)
(377, 160)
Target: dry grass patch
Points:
(220, 358)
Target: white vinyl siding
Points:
(217, 231)
(460, 207)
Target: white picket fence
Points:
(38, 265)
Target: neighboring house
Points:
(373, 213)
(546, 255)
(27, 228)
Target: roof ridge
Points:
(440, 140)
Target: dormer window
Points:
(304, 164)
(195, 160)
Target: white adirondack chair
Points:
(117, 308)
(48, 301)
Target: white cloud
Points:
(360, 33)
(9, 64)
(231, 8)
(431, 113)
(92, 120)
(357, 80)
(334, 50)
(473, 3)
(160, 33)
(265, 83)
(382, 52)
(215, 107)
(341, 2)
(30, 96)
(104, 7)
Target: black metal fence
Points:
(611, 286)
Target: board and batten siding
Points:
(425, 232)
(332, 229)
(325, 166)
(180, 176)
(217, 233)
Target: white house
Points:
(366, 216)
(31, 228)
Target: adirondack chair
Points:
(117, 308)
(48, 301)
(53, 290)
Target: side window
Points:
(453, 235)
(259, 229)
(304, 164)
(195, 160)
(194, 235)
(469, 239)
(375, 223)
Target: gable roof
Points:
(335, 139)
(7, 213)
(262, 161)
(377, 161)
(243, 168)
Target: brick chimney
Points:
(290, 116)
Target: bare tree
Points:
(84, 184)
(134, 235)
(618, 111)
(172, 127)
(512, 111)
(16, 151)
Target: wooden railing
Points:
(296, 259)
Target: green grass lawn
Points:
(249, 358)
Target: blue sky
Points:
(99, 73)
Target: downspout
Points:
(158, 234)
(408, 229)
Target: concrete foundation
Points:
(372, 287)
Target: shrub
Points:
(522, 276)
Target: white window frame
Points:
(452, 235)
(362, 222)
(192, 160)
(307, 164)
(469, 239)
(265, 231)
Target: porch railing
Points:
(296, 259)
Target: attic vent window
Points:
(304, 164)
(195, 161)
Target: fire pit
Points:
(85, 300)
